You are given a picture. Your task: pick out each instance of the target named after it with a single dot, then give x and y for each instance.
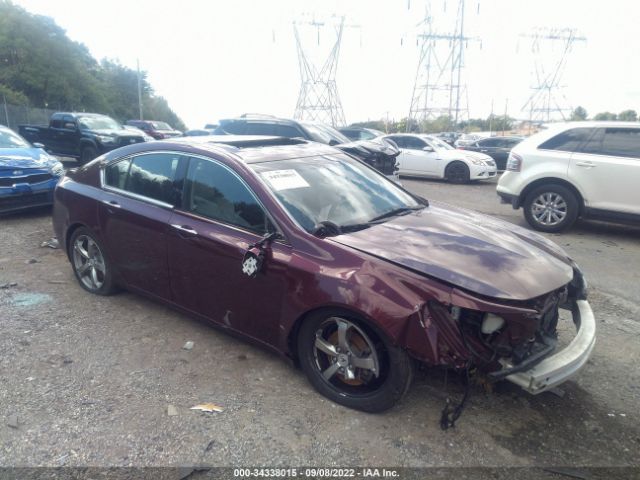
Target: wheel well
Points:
(292, 343)
(551, 181)
(69, 234)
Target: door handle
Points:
(111, 203)
(184, 228)
(586, 164)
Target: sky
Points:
(215, 59)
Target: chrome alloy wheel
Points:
(344, 353)
(549, 209)
(88, 262)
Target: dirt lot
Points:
(90, 380)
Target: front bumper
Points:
(561, 366)
(482, 173)
(25, 196)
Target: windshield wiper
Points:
(395, 212)
(327, 228)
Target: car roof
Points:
(254, 148)
(592, 124)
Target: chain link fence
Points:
(14, 115)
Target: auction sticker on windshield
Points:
(284, 179)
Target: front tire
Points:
(87, 154)
(551, 208)
(351, 364)
(90, 264)
(457, 172)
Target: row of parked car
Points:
(553, 188)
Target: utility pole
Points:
(6, 112)
(547, 101)
(439, 89)
(139, 91)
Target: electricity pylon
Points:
(439, 89)
(548, 102)
(318, 99)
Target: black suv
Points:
(378, 154)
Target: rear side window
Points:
(621, 142)
(151, 175)
(212, 191)
(400, 141)
(260, 129)
(234, 128)
(288, 131)
(568, 141)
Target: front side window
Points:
(115, 175)
(213, 191)
(414, 143)
(150, 175)
(568, 141)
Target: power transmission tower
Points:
(318, 99)
(439, 89)
(547, 101)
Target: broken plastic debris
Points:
(51, 243)
(208, 407)
(188, 346)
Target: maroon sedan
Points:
(313, 254)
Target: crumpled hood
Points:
(472, 251)
(11, 158)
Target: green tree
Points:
(628, 116)
(578, 113)
(605, 116)
(41, 66)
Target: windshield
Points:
(332, 188)
(98, 123)
(8, 139)
(324, 133)
(438, 144)
(161, 126)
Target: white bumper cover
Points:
(562, 365)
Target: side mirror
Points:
(38, 145)
(333, 142)
(428, 149)
(254, 256)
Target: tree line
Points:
(443, 123)
(41, 67)
(579, 113)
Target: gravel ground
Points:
(90, 381)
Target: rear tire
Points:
(90, 263)
(551, 208)
(87, 154)
(457, 172)
(348, 362)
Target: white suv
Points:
(577, 169)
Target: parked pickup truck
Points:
(81, 135)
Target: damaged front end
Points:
(516, 341)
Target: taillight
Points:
(514, 164)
